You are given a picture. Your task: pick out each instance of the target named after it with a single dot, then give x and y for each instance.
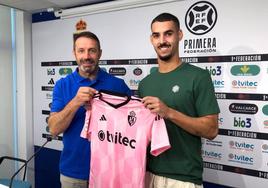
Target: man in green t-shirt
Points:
(184, 96)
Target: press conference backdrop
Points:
(228, 38)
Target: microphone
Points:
(49, 139)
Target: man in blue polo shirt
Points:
(70, 98)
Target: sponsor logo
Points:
(117, 71)
(132, 118)
(264, 148)
(211, 154)
(243, 108)
(51, 82)
(117, 138)
(265, 123)
(238, 84)
(201, 17)
(50, 71)
(218, 83)
(65, 71)
(241, 146)
(214, 71)
(245, 70)
(265, 110)
(103, 118)
(242, 123)
(137, 71)
(240, 159)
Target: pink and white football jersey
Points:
(120, 131)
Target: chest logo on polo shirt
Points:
(175, 89)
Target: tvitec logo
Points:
(243, 159)
(117, 138)
(200, 18)
(243, 146)
(212, 155)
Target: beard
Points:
(163, 57)
(88, 66)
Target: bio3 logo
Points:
(242, 123)
(201, 17)
(214, 71)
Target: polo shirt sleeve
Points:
(57, 101)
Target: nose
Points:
(162, 39)
(88, 54)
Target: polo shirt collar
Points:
(79, 78)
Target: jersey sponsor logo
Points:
(131, 118)
(117, 138)
(103, 118)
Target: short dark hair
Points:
(86, 34)
(163, 17)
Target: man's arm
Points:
(205, 126)
(58, 122)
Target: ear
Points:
(73, 52)
(180, 34)
(100, 53)
(151, 39)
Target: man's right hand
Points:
(84, 95)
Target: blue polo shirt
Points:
(75, 156)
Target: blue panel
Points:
(47, 168)
(212, 185)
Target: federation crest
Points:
(132, 118)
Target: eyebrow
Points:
(167, 31)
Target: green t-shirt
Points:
(189, 90)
